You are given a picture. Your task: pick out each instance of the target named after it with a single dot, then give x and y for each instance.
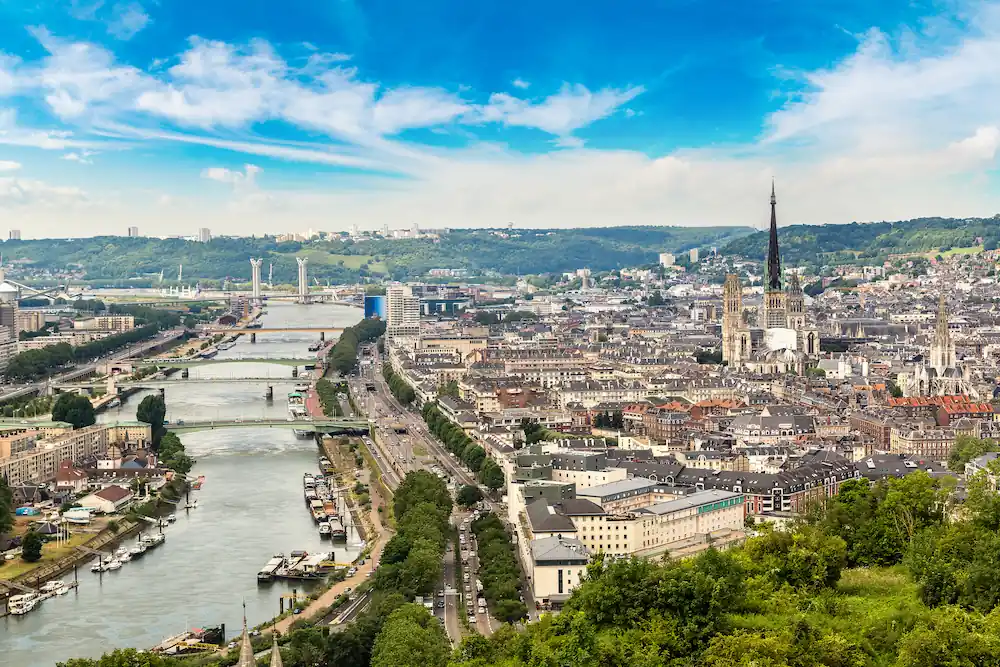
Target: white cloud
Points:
(245, 178)
(572, 108)
(9, 165)
(83, 157)
(129, 19)
(520, 83)
(29, 192)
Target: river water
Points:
(251, 507)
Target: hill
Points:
(114, 258)
(868, 242)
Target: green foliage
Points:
(6, 507)
(656, 299)
(709, 357)
(31, 547)
(805, 560)
(468, 495)
(491, 474)
(411, 637)
(129, 657)
(498, 568)
(152, 409)
(327, 393)
(343, 356)
(398, 386)
(172, 455)
(968, 448)
(74, 409)
(449, 389)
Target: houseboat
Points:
(22, 604)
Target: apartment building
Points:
(40, 462)
(558, 565)
(931, 443)
(402, 311)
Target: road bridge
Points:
(160, 383)
(189, 363)
(313, 426)
(256, 330)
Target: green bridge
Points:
(190, 363)
(313, 426)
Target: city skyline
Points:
(264, 120)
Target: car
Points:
(440, 594)
(468, 588)
(472, 619)
(351, 572)
(440, 604)
(348, 590)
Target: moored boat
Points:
(23, 603)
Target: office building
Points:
(666, 259)
(15, 235)
(204, 235)
(133, 232)
(375, 306)
(403, 311)
(694, 255)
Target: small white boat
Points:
(22, 604)
(124, 558)
(97, 567)
(115, 564)
(138, 550)
(121, 551)
(107, 559)
(51, 586)
(171, 518)
(63, 589)
(324, 529)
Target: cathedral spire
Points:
(773, 256)
(246, 649)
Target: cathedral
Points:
(940, 376)
(784, 341)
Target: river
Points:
(250, 507)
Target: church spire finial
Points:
(773, 256)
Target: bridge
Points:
(213, 328)
(189, 363)
(313, 426)
(159, 383)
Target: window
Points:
(560, 581)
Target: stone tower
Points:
(942, 346)
(795, 303)
(735, 336)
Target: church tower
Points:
(796, 303)
(735, 336)
(775, 307)
(942, 346)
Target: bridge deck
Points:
(315, 426)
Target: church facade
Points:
(784, 341)
(941, 374)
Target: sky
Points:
(256, 116)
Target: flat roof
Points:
(694, 500)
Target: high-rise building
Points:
(15, 235)
(402, 311)
(666, 259)
(133, 231)
(694, 255)
(204, 235)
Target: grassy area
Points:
(50, 554)
(349, 261)
(869, 603)
(419, 450)
(375, 478)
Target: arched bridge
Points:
(188, 363)
(313, 426)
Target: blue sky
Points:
(261, 116)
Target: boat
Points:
(302, 433)
(138, 550)
(194, 641)
(171, 518)
(97, 567)
(115, 564)
(324, 529)
(121, 551)
(65, 587)
(211, 354)
(188, 506)
(337, 531)
(124, 558)
(266, 573)
(51, 586)
(23, 603)
(154, 540)
(115, 402)
(77, 515)
(196, 484)
(315, 347)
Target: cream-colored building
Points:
(41, 462)
(557, 567)
(674, 524)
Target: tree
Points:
(152, 410)
(31, 547)
(6, 507)
(122, 658)
(968, 448)
(74, 409)
(468, 495)
(491, 475)
(411, 638)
